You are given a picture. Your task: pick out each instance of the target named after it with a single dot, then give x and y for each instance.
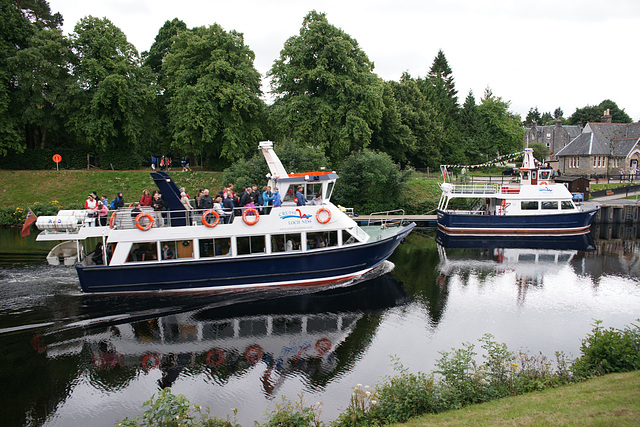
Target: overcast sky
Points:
(545, 53)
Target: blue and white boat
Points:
(285, 246)
(530, 204)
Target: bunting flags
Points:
(499, 159)
(30, 219)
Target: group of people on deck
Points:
(226, 202)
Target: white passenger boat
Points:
(284, 246)
(531, 204)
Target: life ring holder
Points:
(328, 215)
(112, 220)
(253, 354)
(150, 361)
(208, 212)
(144, 227)
(249, 221)
(543, 183)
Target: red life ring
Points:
(140, 226)
(250, 211)
(215, 357)
(112, 220)
(328, 215)
(253, 354)
(206, 213)
(323, 346)
(150, 361)
(543, 183)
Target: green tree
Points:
(392, 135)
(594, 114)
(471, 126)
(161, 46)
(214, 90)
(370, 182)
(42, 74)
(439, 88)
(418, 114)
(327, 93)
(558, 114)
(540, 151)
(502, 132)
(533, 116)
(112, 92)
(14, 34)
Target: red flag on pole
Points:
(30, 219)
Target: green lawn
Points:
(611, 400)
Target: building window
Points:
(574, 162)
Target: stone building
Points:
(602, 149)
(555, 137)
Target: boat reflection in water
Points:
(527, 258)
(220, 337)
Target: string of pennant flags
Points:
(499, 159)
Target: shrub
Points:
(170, 410)
(289, 414)
(609, 350)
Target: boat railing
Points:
(474, 189)
(392, 218)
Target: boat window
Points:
(529, 205)
(215, 247)
(144, 251)
(329, 190)
(322, 240)
(548, 204)
(285, 242)
(312, 190)
(545, 174)
(250, 245)
(567, 204)
(168, 250)
(218, 331)
(347, 238)
(289, 193)
(252, 327)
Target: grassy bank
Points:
(70, 187)
(610, 400)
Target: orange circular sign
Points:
(57, 158)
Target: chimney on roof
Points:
(606, 118)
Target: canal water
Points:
(70, 359)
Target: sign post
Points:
(57, 158)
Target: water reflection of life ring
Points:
(323, 346)
(215, 356)
(253, 354)
(251, 211)
(206, 213)
(145, 227)
(327, 219)
(543, 183)
(112, 220)
(150, 361)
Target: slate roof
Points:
(604, 139)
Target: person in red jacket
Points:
(146, 199)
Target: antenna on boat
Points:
(275, 165)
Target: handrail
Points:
(385, 221)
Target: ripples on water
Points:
(75, 359)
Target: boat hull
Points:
(331, 265)
(452, 222)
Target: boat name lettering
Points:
(294, 217)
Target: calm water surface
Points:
(70, 359)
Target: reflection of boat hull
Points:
(329, 266)
(582, 242)
(504, 225)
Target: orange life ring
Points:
(250, 211)
(206, 213)
(215, 357)
(323, 346)
(150, 361)
(112, 220)
(328, 215)
(543, 183)
(140, 226)
(253, 354)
